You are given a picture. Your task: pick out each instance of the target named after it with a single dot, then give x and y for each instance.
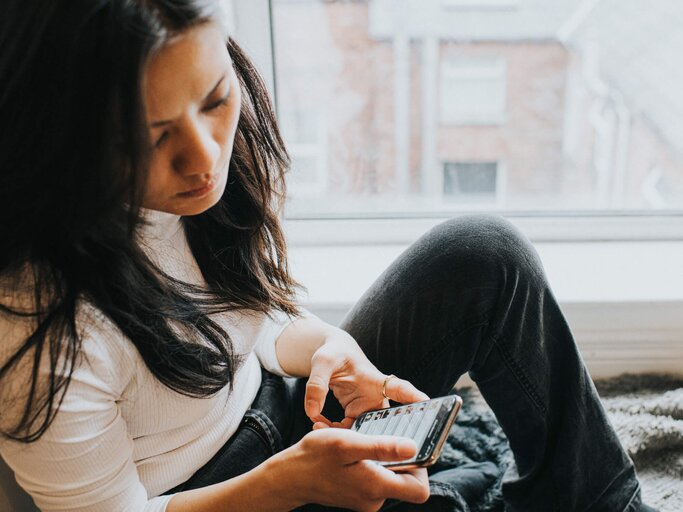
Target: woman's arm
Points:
(302, 338)
(259, 489)
(328, 466)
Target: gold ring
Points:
(384, 385)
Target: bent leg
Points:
(471, 295)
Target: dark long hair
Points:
(73, 163)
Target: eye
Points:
(162, 138)
(216, 104)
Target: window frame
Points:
(255, 33)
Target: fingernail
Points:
(406, 447)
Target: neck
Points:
(159, 225)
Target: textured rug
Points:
(646, 411)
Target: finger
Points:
(356, 446)
(403, 392)
(319, 424)
(321, 419)
(411, 486)
(318, 385)
(347, 422)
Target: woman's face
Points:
(192, 101)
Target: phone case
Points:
(427, 423)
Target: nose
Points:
(199, 153)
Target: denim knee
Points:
(486, 244)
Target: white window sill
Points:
(579, 272)
(623, 300)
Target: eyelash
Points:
(216, 104)
(212, 106)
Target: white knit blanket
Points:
(647, 413)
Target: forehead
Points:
(185, 68)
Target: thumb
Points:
(317, 386)
(376, 447)
(403, 392)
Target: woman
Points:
(145, 286)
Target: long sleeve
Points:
(84, 462)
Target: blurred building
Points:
(423, 105)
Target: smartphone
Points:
(427, 423)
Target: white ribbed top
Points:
(121, 437)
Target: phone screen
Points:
(423, 422)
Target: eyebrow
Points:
(157, 124)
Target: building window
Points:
(471, 181)
(472, 90)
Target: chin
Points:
(200, 205)
(189, 206)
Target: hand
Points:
(334, 467)
(340, 365)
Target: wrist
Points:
(281, 479)
(268, 487)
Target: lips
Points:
(201, 191)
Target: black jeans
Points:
(471, 296)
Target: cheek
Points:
(228, 128)
(234, 110)
(157, 182)
(230, 114)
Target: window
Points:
(471, 182)
(562, 95)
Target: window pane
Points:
(470, 181)
(447, 105)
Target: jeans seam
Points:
(519, 373)
(634, 496)
(528, 388)
(607, 488)
(267, 427)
